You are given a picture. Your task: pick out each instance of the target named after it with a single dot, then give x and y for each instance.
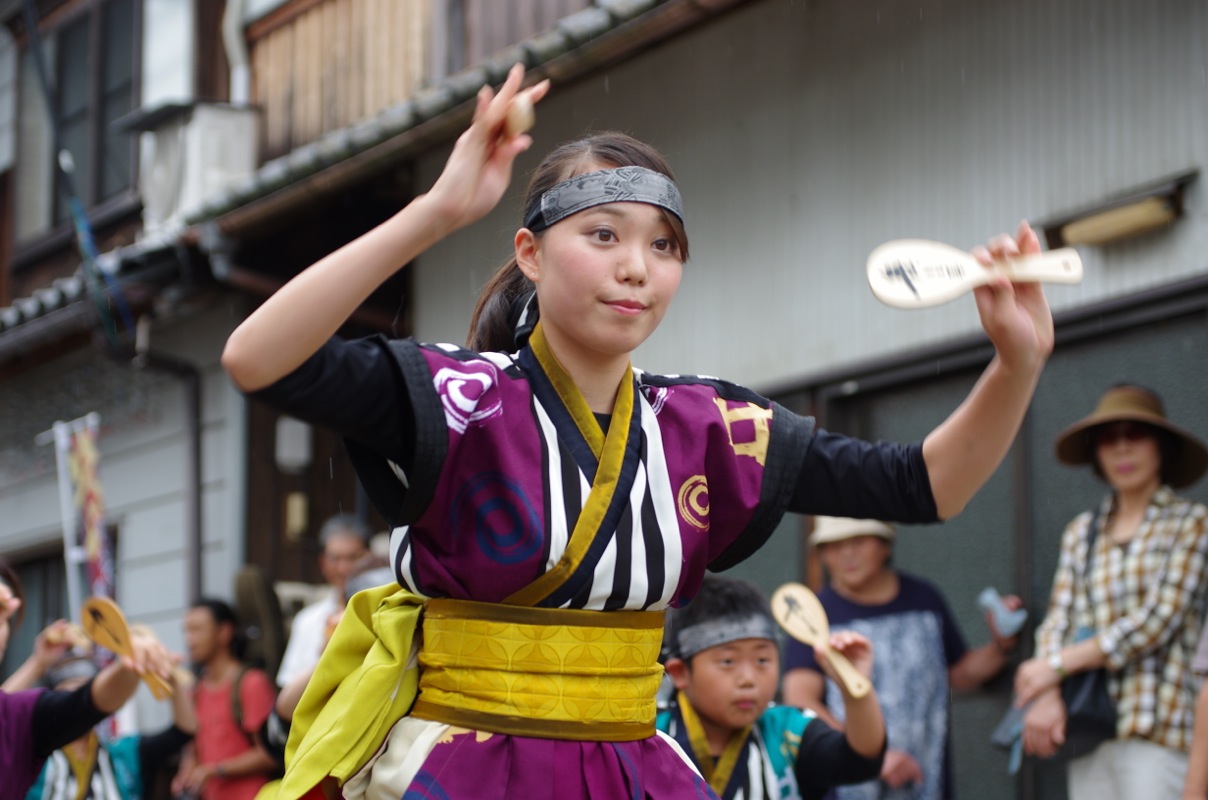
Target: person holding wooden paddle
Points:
(36, 722)
(120, 768)
(548, 500)
(724, 657)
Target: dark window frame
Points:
(125, 202)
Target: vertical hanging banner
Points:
(87, 548)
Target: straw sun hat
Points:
(1075, 444)
(836, 529)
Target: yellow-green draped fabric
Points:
(362, 667)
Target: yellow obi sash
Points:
(542, 672)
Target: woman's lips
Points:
(627, 306)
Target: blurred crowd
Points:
(1127, 609)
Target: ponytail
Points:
(492, 326)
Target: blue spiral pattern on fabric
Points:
(491, 498)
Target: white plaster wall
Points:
(143, 450)
(804, 134)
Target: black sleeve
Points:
(62, 717)
(354, 388)
(846, 477)
(825, 760)
(157, 748)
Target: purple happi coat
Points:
(19, 767)
(506, 471)
(486, 463)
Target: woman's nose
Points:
(631, 266)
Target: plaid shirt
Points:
(1145, 607)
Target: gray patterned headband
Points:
(620, 185)
(70, 669)
(702, 636)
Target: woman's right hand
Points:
(1044, 725)
(480, 167)
(1033, 677)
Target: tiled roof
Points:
(559, 52)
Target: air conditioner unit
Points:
(188, 154)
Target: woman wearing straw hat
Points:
(1137, 611)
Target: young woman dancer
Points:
(553, 500)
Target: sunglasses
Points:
(1121, 431)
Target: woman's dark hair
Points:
(9, 577)
(491, 328)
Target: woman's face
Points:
(1129, 456)
(605, 277)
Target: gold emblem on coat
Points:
(748, 427)
(693, 502)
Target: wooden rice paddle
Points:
(105, 624)
(799, 612)
(916, 273)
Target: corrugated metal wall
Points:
(806, 133)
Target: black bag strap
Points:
(1091, 535)
(237, 699)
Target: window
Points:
(91, 59)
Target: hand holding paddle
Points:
(105, 624)
(916, 273)
(799, 612)
(63, 634)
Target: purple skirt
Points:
(462, 764)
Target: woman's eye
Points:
(604, 235)
(666, 246)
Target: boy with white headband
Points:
(548, 501)
(724, 659)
